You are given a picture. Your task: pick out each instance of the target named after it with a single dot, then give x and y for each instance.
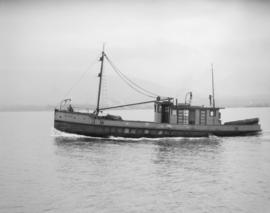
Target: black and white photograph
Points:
(130, 106)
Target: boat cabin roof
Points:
(187, 106)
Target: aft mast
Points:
(100, 79)
(213, 86)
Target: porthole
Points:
(133, 131)
(146, 131)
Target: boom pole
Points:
(133, 104)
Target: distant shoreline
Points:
(51, 108)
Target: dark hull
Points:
(243, 122)
(137, 132)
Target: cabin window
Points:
(146, 131)
(182, 117)
(203, 117)
(212, 113)
(126, 130)
(186, 114)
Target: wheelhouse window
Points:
(186, 115)
(212, 113)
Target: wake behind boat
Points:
(172, 119)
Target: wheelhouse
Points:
(185, 114)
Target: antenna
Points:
(213, 86)
(103, 47)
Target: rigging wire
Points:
(130, 83)
(131, 86)
(104, 90)
(81, 77)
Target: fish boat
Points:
(171, 119)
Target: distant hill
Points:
(116, 92)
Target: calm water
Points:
(42, 170)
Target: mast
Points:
(213, 87)
(100, 79)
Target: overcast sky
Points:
(46, 46)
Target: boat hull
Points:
(90, 125)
